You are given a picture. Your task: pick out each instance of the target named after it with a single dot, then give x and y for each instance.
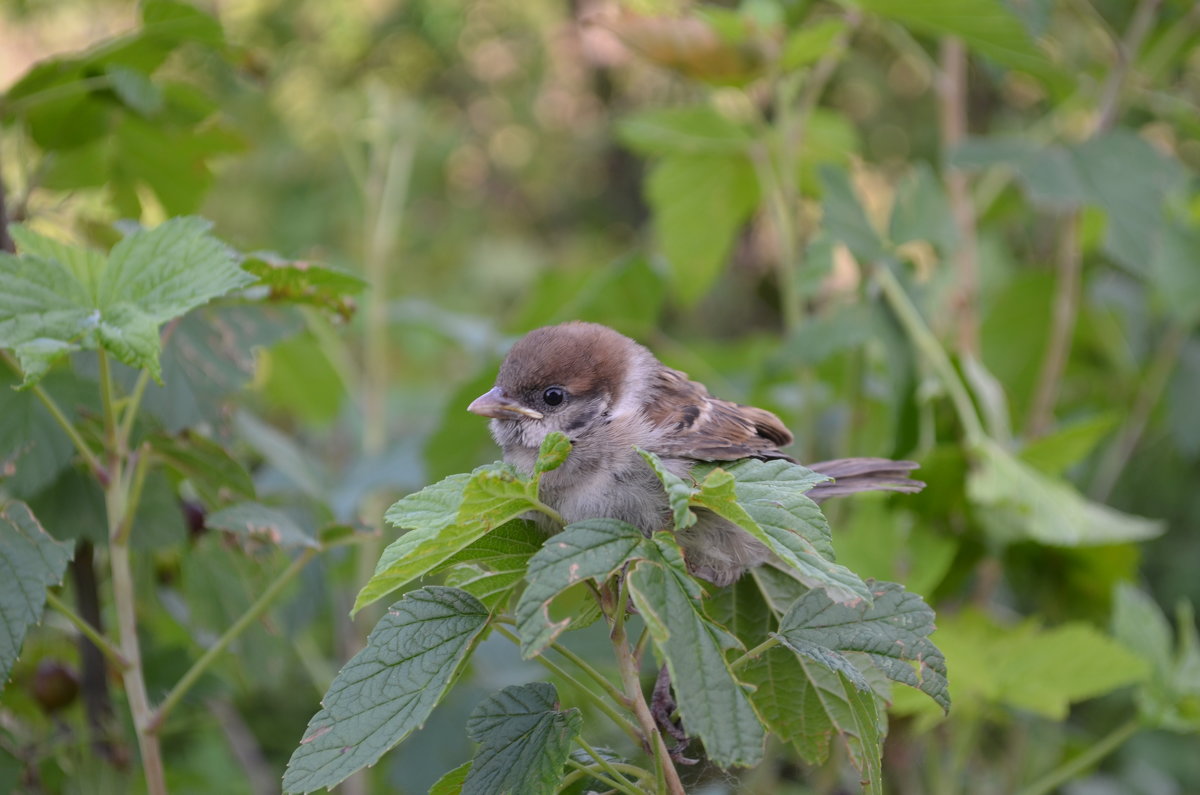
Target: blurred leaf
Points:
(766, 499)
(524, 740)
(987, 26)
(679, 493)
(159, 522)
(300, 379)
(712, 702)
(171, 162)
(281, 452)
(261, 523)
(452, 782)
(31, 440)
(1174, 270)
(693, 46)
(1040, 670)
(893, 632)
(135, 89)
(59, 297)
(921, 211)
(844, 218)
(1170, 699)
(1018, 502)
(33, 561)
(215, 475)
(389, 688)
(700, 203)
(303, 282)
(697, 129)
(809, 44)
(72, 507)
(1070, 444)
(1183, 410)
(592, 549)
(888, 545)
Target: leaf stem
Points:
(931, 349)
(134, 495)
(595, 675)
(131, 410)
(606, 765)
(251, 615)
(57, 413)
(603, 779)
(633, 691)
(595, 698)
(754, 653)
(91, 633)
(1093, 754)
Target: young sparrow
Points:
(609, 394)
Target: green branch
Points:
(1094, 753)
(98, 640)
(237, 628)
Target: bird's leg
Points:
(662, 707)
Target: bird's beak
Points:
(495, 404)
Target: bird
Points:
(610, 395)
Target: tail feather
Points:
(852, 475)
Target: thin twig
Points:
(91, 633)
(754, 653)
(1093, 754)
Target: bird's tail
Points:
(852, 475)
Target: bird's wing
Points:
(705, 428)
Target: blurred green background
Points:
(719, 181)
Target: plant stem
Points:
(591, 695)
(1150, 389)
(131, 410)
(604, 763)
(952, 105)
(603, 779)
(1085, 760)
(931, 349)
(633, 691)
(134, 494)
(57, 413)
(754, 653)
(595, 675)
(91, 633)
(251, 615)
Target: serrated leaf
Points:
(261, 523)
(388, 689)
(553, 452)
(56, 299)
(713, 704)
(31, 562)
(678, 491)
(524, 739)
(303, 282)
(215, 475)
(1017, 502)
(518, 540)
(893, 631)
(700, 203)
(591, 549)
(766, 499)
(446, 518)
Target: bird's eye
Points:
(554, 395)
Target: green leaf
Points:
(135, 89)
(452, 782)
(518, 540)
(922, 211)
(873, 542)
(844, 218)
(1055, 453)
(261, 523)
(713, 704)
(553, 452)
(1025, 666)
(303, 282)
(1170, 697)
(697, 129)
(31, 562)
(807, 45)
(893, 632)
(592, 549)
(766, 499)
(389, 688)
(1017, 502)
(700, 203)
(524, 741)
(32, 441)
(1174, 272)
(57, 299)
(299, 378)
(446, 518)
(987, 27)
(216, 476)
(679, 493)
